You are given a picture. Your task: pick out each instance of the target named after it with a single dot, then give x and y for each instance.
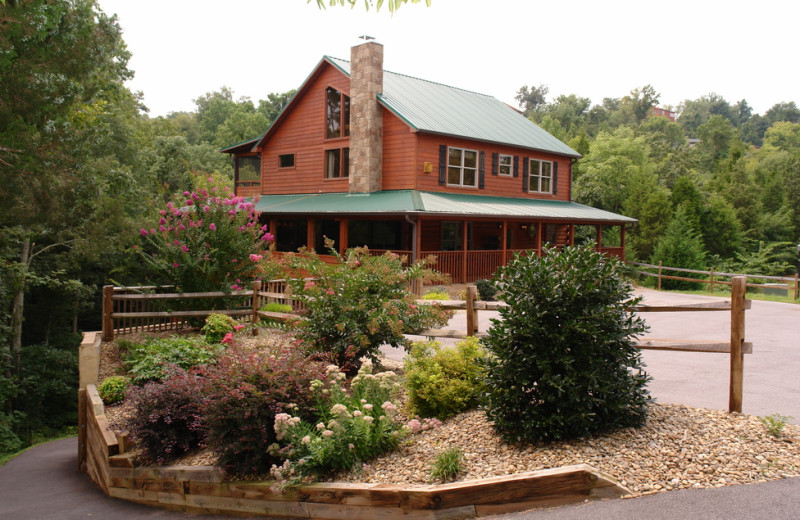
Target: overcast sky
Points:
(596, 49)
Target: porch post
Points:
(571, 234)
(464, 252)
(310, 234)
(599, 235)
(622, 240)
(539, 239)
(343, 238)
(504, 241)
(417, 247)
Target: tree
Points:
(531, 98)
(274, 104)
(393, 5)
(680, 246)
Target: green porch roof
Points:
(400, 202)
(432, 107)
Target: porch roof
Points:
(425, 203)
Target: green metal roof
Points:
(433, 204)
(432, 107)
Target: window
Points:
(462, 167)
(248, 170)
(504, 165)
(337, 163)
(286, 160)
(291, 234)
(541, 176)
(452, 233)
(337, 114)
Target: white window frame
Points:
(540, 176)
(461, 168)
(507, 168)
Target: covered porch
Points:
(470, 235)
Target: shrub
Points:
(436, 294)
(246, 389)
(443, 381)
(207, 240)
(562, 362)
(359, 303)
(168, 418)
(486, 290)
(113, 389)
(349, 427)
(216, 327)
(9, 442)
(151, 360)
(277, 307)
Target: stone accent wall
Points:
(366, 119)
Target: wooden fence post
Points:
(797, 286)
(711, 285)
(738, 289)
(256, 304)
(472, 312)
(659, 275)
(108, 309)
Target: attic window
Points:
(248, 171)
(337, 114)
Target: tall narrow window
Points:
(462, 167)
(541, 176)
(337, 114)
(504, 164)
(337, 163)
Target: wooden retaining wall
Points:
(203, 489)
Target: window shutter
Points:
(442, 164)
(555, 178)
(482, 171)
(495, 160)
(525, 174)
(516, 166)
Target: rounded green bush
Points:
(217, 325)
(113, 389)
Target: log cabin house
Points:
(369, 157)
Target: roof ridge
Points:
(423, 79)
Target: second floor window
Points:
(462, 167)
(504, 165)
(337, 114)
(541, 176)
(337, 163)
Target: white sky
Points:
(593, 48)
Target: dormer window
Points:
(337, 114)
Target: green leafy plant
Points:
(444, 381)
(436, 294)
(113, 389)
(216, 327)
(350, 427)
(277, 307)
(358, 303)
(562, 363)
(151, 360)
(775, 423)
(486, 290)
(447, 465)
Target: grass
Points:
(751, 295)
(41, 438)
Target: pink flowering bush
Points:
(208, 240)
(350, 426)
(359, 303)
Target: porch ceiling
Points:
(425, 203)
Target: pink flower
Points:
(152, 231)
(143, 232)
(175, 264)
(237, 328)
(228, 338)
(184, 249)
(236, 287)
(162, 212)
(189, 202)
(309, 285)
(162, 220)
(268, 237)
(330, 292)
(256, 258)
(414, 425)
(185, 193)
(176, 242)
(206, 208)
(162, 228)
(212, 227)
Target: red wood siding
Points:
(302, 133)
(400, 166)
(428, 150)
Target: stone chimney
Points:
(366, 119)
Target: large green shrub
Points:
(217, 326)
(112, 390)
(358, 303)
(562, 362)
(444, 381)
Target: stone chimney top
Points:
(366, 118)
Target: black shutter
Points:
(495, 160)
(525, 174)
(442, 164)
(516, 166)
(555, 178)
(482, 171)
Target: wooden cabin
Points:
(369, 157)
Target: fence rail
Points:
(790, 282)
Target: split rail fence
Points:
(713, 278)
(127, 310)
